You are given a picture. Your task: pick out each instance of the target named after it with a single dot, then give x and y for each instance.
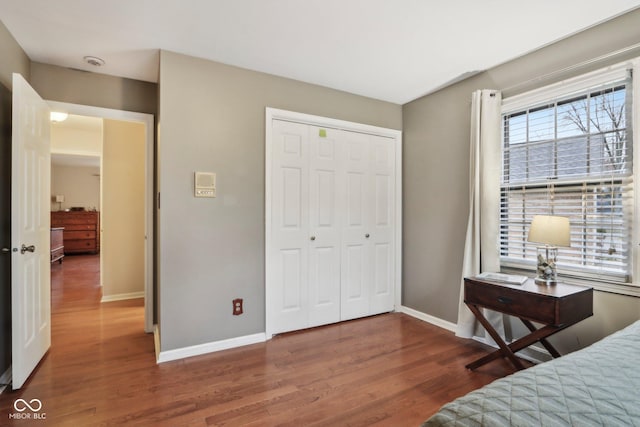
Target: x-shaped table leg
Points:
(509, 351)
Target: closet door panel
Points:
(383, 224)
(324, 240)
(382, 289)
(292, 280)
(355, 214)
(354, 286)
(356, 257)
(287, 293)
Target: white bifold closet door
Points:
(331, 251)
(367, 252)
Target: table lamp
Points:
(552, 231)
(59, 200)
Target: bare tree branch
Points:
(603, 106)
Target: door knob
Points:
(29, 248)
(4, 250)
(313, 237)
(366, 235)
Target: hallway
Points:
(97, 349)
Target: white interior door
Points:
(30, 231)
(287, 293)
(325, 208)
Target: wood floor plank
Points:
(100, 371)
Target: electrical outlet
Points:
(237, 306)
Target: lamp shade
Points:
(60, 198)
(550, 230)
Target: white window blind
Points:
(571, 155)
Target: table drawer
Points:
(79, 227)
(72, 221)
(534, 307)
(79, 245)
(76, 235)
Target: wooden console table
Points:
(556, 307)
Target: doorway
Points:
(119, 127)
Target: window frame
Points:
(565, 89)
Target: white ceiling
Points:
(74, 160)
(394, 50)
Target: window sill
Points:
(632, 290)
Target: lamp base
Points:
(546, 268)
(543, 281)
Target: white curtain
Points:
(482, 245)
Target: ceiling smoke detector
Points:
(94, 60)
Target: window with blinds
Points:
(571, 156)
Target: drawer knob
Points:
(505, 300)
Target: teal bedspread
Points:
(596, 386)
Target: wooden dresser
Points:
(81, 230)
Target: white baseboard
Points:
(196, 350)
(5, 379)
(121, 297)
(428, 318)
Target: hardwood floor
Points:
(390, 370)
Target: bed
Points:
(596, 386)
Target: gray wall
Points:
(212, 250)
(436, 158)
(98, 90)
(14, 60)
